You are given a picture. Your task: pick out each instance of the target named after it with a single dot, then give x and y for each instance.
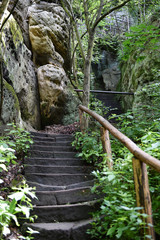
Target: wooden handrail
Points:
(132, 147)
(139, 162)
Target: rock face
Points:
(21, 16)
(20, 79)
(49, 36)
(137, 75)
(35, 50)
(111, 77)
(107, 70)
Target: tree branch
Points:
(71, 16)
(108, 12)
(86, 14)
(77, 46)
(4, 22)
(2, 87)
(3, 7)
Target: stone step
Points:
(62, 230)
(52, 148)
(65, 213)
(63, 187)
(52, 139)
(57, 169)
(46, 187)
(48, 143)
(55, 161)
(57, 179)
(77, 195)
(47, 154)
(41, 134)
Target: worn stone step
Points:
(55, 161)
(46, 187)
(47, 154)
(44, 134)
(57, 169)
(57, 179)
(81, 184)
(52, 139)
(52, 148)
(56, 143)
(62, 230)
(65, 213)
(61, 197)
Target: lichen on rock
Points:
(49, 33)
(11, 108)
(137, 74)
(19, 72)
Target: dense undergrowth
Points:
(15, 194)
(118, 217)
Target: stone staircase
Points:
(113, 102)
(63, 186)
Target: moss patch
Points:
(11, 90)
(16, 32)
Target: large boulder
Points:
(52, 88)
(49, 33)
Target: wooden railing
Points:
(140, 159)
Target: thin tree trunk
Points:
(87, 78)
(1, 84)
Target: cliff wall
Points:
(35, 56)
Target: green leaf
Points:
(111, 177)
(111, 230)
(1, 181)
(5, 230)
(3, 166)
(17, 196)
(12, 206)
(125, 208)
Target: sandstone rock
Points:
(20, 14)
(139, 74)
(20, 74)
(52, 84)
(10, 109)
(49, 34)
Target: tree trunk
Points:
(2, 88)
(87, 78)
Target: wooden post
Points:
(80, 119)
(143, 198)
(107, 146)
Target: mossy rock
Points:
(11, 107)
(16, 32)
